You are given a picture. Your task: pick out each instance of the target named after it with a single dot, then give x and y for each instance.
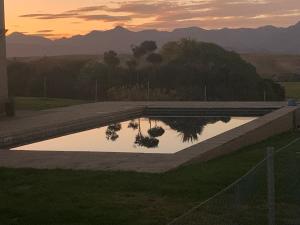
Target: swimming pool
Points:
(164, 135)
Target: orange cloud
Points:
(79, 16)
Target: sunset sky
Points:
(59, 18)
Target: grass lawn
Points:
(292, 89)
(66, 197)
(30, 103)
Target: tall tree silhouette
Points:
(111, 59)
(132, 66)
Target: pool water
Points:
(165, 135)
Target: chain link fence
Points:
(268, 194)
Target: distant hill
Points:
(268, 39)
(274, 65)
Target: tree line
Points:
(179, 70)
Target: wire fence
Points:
(268, 194)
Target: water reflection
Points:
(143, 135)
(188, 128)
(112, 131)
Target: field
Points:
(268, 65)
(292, 89)
(120, 198)
(31, 103)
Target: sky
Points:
(65, 18)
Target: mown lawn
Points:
(292, 89)
(56, 197)
(31, 103)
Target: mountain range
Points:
(267, 39)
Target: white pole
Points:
(3, 69)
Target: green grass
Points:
(67, 197)
(30, 103)
(292, 89)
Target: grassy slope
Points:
(292, 89)
(28, 103)
(271, 64)
(117, 198)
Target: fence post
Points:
(271, 186)
(45, 86)
(148, 90)
(96, 91)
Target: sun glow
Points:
(56, 18)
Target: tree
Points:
(143, 49)
(111, 59)
(138, 52)
(131, 64)
(149, 46)
(154, 58)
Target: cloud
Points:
(169, 14)
(100, 17)
(50, 16)
(105, 18)
(45, 31)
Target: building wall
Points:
(3, 72)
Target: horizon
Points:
(128, 29)
(51, 18)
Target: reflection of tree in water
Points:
(191, 127)
(155, 131)
(225, 119)
(111, 132)
(145, 141)
(133, 124)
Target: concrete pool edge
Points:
(262, 128)
(42, 133)
(277, 122)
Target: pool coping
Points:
(154, 163)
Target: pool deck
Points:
(104, 111)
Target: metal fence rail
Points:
(267, 194)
